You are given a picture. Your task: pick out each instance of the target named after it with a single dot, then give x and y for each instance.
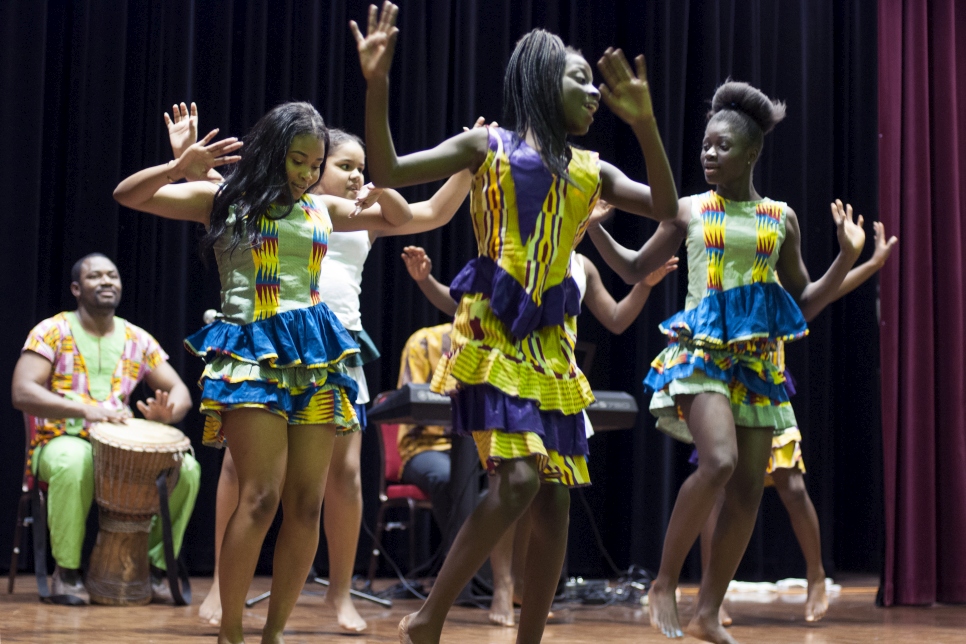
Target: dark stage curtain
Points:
(84, 85)
(922, 192)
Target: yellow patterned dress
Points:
(511, 371)
(277, 346)
(735, 315)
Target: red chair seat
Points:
(405, 492)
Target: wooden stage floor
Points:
(852, 617)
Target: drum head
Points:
(139, 434)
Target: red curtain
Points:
(922, 196)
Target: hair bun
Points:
(742, 97)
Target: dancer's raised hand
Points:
(204, 155)
(602, 212)
(850, 233)
(377, 46)
(883, 248)
(418, 263)
(182, 127)
(656, 276)
(627, 95)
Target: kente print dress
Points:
(735, 315)
(277, 346)
(511, 369)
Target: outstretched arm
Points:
(634, 266)
(811, 296)
(387, 170)
(629, 97)
(420, 268)
(148, 190)
(390, 210)
(858, 275)
(617, 316)
(30, 394)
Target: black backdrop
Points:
(84, 85)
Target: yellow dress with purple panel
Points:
(277, 346)
(511, 371)
(735, 316)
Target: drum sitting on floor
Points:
(128, 458)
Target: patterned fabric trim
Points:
(495, 447)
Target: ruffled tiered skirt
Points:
(726, 345)
(293, 364)
(518, 397)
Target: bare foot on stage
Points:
(663, 610)
(345, 611)
(817, 603)
(273, 639)
(501, 608)
(709, 630)
(411, 632)
(210, 609)
(724, 617)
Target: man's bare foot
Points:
(709, 630)
(210, 609)
(501, 608)
(817, 603)
(663, 610)
(724, 617)
(345, 612)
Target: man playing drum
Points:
(79, 368)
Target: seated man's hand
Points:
(95, 414)
(157, 408)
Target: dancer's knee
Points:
(519, 484)
(718, 465)
(259, 502)
(791, 487)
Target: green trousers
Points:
(66, 464)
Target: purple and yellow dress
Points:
(277, 346)
(511, 371)
(735, 315)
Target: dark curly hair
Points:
(747, 109)
(259, 180)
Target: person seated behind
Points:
(79, 368)
(424, 449)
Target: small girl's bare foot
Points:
(663, 610)
(345, 612)
(275, 638)
(724, 617)
(709, 630)
(817, 603)
(501, 608)
(210, 609)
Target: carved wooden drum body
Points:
(128, 458)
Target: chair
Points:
(393, 494)
(31, 513)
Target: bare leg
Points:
(259, 444)
(309, 453)
(342, 516)
(731, 535)
(226, 500)
(711, 423)
(791, 488)
(513, 486)
(501, 561)
(550, 517)
(707, 535)
(521, 543)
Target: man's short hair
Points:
(75, 272)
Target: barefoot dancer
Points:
(516, 386)
(275, 384)
(715, 376)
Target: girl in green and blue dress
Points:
(275, 384)
(511, 372)
(716, 384)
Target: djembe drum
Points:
(128, 459)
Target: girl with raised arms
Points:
(515, 384)
(716, 384)
(275, 384)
